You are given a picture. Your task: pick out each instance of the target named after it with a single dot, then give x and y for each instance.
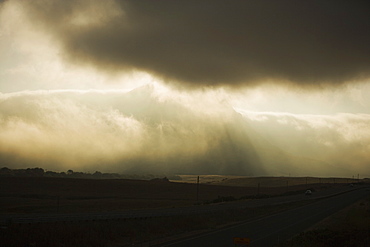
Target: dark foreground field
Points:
(31, 195)
(67, 195)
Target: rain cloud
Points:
(213, 42)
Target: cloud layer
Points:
(151, 130)
(139, 131)
(213, 42)
(341, 140)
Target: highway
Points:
(269, 231)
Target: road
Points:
(268, 231)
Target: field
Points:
(268, 182)
(35, 195)
(50, 195)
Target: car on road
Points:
(308, 192)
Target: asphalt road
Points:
(268, 231)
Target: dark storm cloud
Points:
(216, 42)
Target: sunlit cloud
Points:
(340, 139)
(135, 130)
(150, 129)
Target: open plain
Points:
(24, 195)
(123, 212)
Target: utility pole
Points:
(58, 199)
(287, 185)
(58, 203)
(198, 189)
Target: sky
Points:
(250, 88)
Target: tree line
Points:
(40, 172)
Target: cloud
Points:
(68, 44)
(341, 139)
(154, 129)
(213, 42)
(139, 131)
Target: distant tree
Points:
(97, 174)
(78, 174)
(52, 174)
(34, 172)
(165, 179)
(69, 172)
(5, 171)
(39, 172)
